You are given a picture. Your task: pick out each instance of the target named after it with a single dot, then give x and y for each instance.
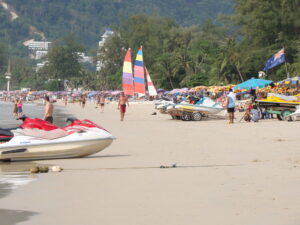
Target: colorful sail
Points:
(127, 74)
(151, 88)
(139, 75)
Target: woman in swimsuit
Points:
(19, 108)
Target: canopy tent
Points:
(252, 83)
(289, 81)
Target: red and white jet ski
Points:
(79, 139)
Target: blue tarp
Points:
(252, 83)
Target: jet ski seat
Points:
(49, 135)
(4, 132)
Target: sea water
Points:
(16, 174)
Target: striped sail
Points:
(139, 75)
(151, 88)
(127, 74)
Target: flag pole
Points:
(286, 70)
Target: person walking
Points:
(102, 103)
(65, 98)
(83, 101)
(231, 98)
(48, 116)
(123, 100)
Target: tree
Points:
(64, 60)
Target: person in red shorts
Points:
(123, 100)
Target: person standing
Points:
(231, 98)
(15, 109)
(65, 100)
(19, 107)
(48, 116)
(83, 101)
(123, 100)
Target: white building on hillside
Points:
(37, 49)
(107, 34)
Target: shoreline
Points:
(245, 173)
(14, 175)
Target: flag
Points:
(275, 60)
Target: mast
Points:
(127, 77)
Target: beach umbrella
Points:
(252, 83)
(287, 81)
(92, 93)
(183, 90)
(174, 91)
(160, 90)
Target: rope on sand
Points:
(173, 166)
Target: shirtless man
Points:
(48, 110)
(123, 100)
(102, 103)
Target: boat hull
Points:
(55, 150)
(202, 109)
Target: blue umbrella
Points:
(252, 83)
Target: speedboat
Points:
(203, 107)
(162, 108)
(79, 139)
(207, 106)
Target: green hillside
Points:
(88, 18)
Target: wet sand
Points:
(226, 174)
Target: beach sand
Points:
(245, 173)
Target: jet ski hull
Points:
(55, 151)
(72, 146)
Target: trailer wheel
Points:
(186, 117)
(196, 116)
(284, 114)
(279, 117)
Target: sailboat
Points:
(128, 87)
(151, 89)
(136, 85)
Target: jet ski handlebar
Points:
(71, 119)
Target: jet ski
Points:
(79, 139)
(6, 133)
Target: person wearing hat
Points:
(231, 98)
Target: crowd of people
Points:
(225, 95)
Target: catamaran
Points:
(134, 83)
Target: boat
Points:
(163, 105)
(134, 83)
(79, 139)
(185, 111)
(127, 79)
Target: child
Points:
(255, 114)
